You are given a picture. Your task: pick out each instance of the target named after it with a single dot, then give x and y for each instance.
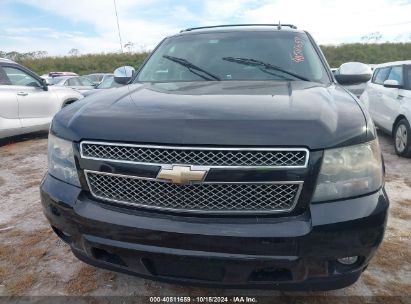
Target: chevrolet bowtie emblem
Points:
(181, 175)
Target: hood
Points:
(64, 92)
(232, 113)
(54, 88)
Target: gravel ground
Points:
(33, 261)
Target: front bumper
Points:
(297, 252)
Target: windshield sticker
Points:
(298, 56)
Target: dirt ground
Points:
(33, 261)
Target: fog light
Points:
(348, 260)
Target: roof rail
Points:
(231, 25)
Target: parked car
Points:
(97, 78)
(61, 74)
(27, 104)
(50, 76)
(108, 83)
(78, 83)
(232, 158)
(388, 99)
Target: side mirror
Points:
(45, 84)
(123, 75)
(353, 73)
(390, 83)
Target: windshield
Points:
(58, 80)
(226, 56)
(95, 77)
(108, 83)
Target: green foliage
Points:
(84, 64)
(92, 63)
(366, 53)
(16, 56)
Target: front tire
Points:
(402, 138)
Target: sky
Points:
(57, 26)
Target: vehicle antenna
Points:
(118, 27)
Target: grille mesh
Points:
(197, 197)
(284, 158)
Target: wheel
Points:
(402, 138)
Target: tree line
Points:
(41, 62)
(82, 64)
(373, 53)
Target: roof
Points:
(392, 63)
(6, 60)
(58, 74)
(97, 74)
(240, 28)
(64, 77)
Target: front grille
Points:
(196, 156)
(205, 197)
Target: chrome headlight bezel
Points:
(61, 163)
(349, 172)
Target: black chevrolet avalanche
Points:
(232, 158)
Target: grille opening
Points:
(184, 267)
(148, 264)
(196, 156)
(220, 198)
(271, 274)
(210, 198)
(108, 257)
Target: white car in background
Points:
(97, 78)
(50, 76)
(78, 83)
(27, 103)
(388, 99)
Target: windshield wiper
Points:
(262, 64)
(191, 67)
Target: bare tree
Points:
(372, 37)
(129, 45)
(74, 52)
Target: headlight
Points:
(61, 160)
(349, 171)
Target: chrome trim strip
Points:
(297, 196)
(194, 167)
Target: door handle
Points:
(22, 93)
(379, 94)
(399, 97)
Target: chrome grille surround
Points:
(196, 156)
(217, 198)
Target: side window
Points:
(99, 78)
(92, 78)
(85, 82)
(374, 75)
(4, 80)
(20, 78)
(73, 82)
(408, 77)
(396, 74)
(381, 75)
